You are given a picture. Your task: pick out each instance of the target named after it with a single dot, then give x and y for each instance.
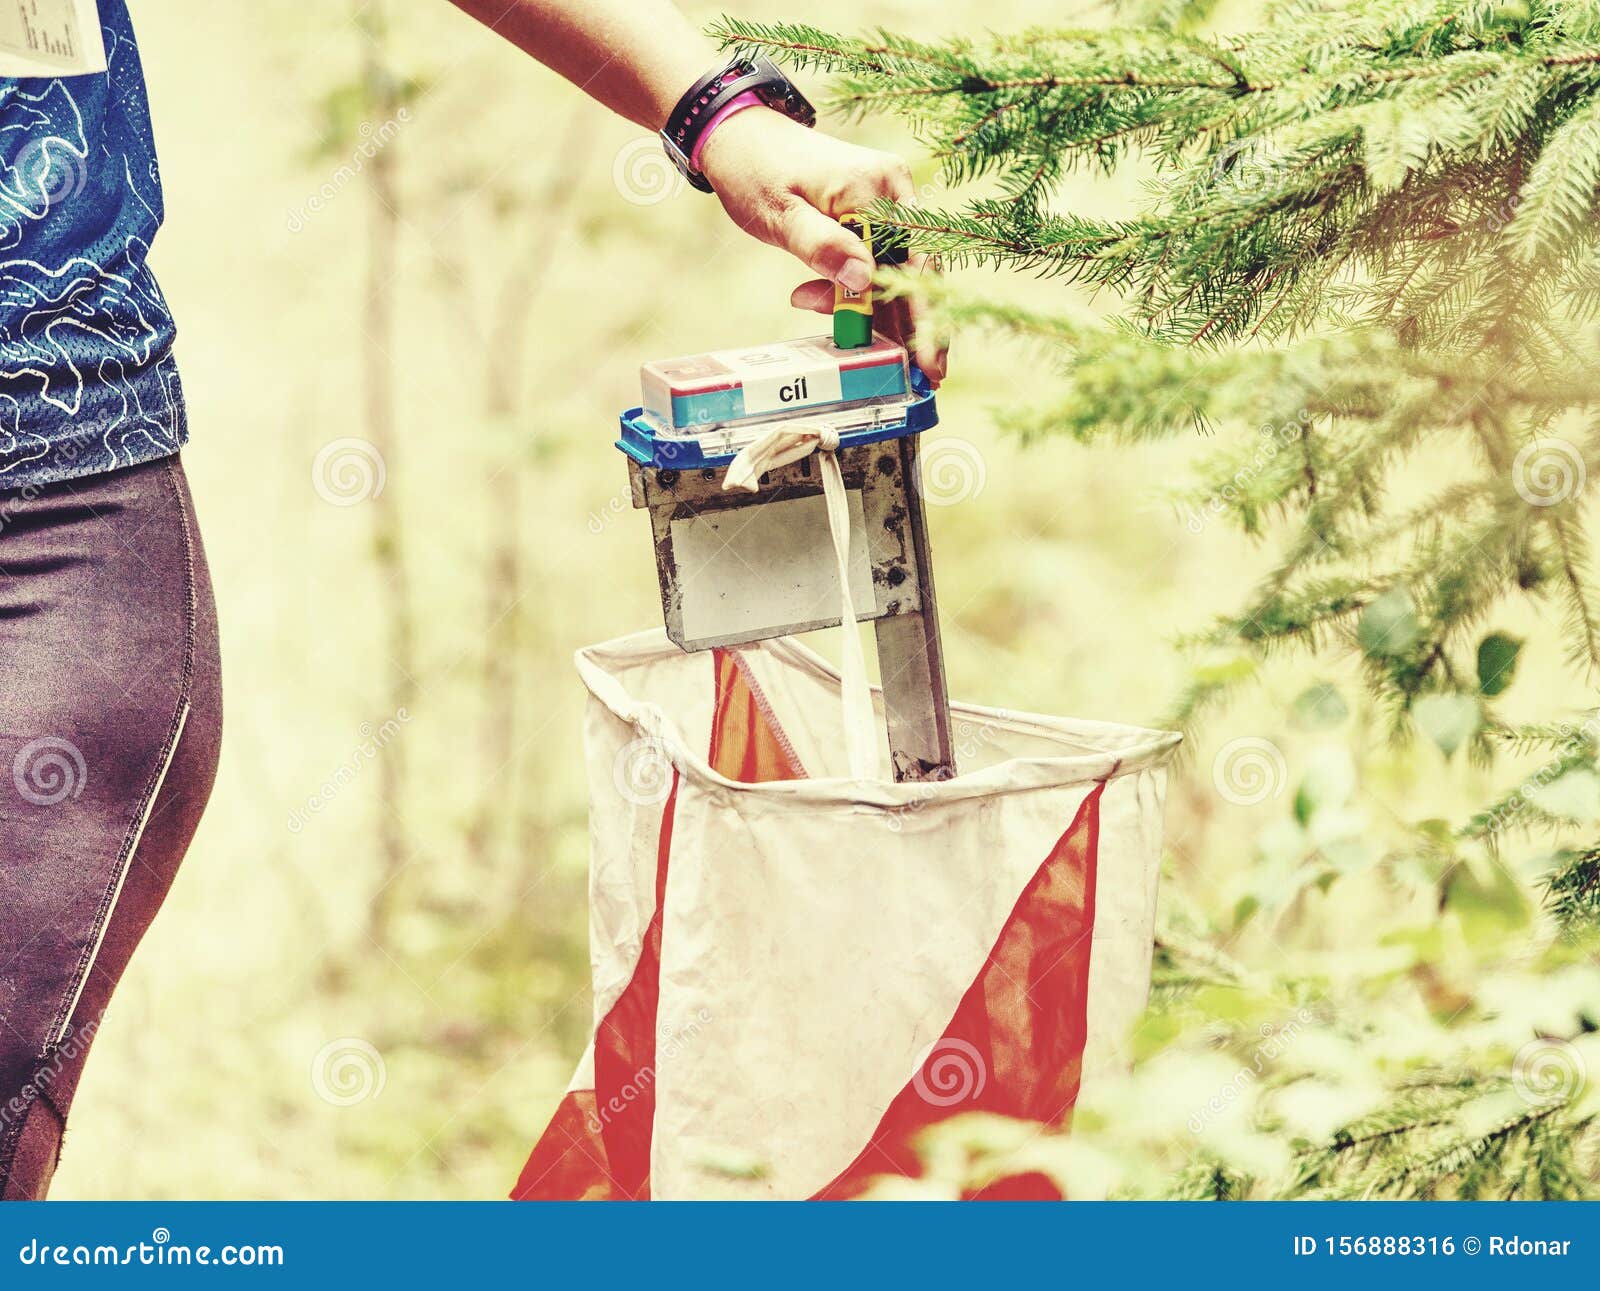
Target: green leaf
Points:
(1497, 662)
(1448, 720)
(1329, 780)
(1389, 626)
(1489, 904)
(1320, 705)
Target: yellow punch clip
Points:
(852, 311)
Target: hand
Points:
(787, 186)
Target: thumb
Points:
(826, 246)
(816, 295)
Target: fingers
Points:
(933, 358)
(810, 231)
(826, 246)
(895, 319)
(816, 295)
(883, 175)
(932, 352)
(898, 319)
(810, 228)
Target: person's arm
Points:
(778, 181)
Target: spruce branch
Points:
(1363, 279)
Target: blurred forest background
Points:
(370, 980)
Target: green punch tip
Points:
(851, 330)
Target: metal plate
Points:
(745, 572)
(737, 567)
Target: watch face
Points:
(800, 108)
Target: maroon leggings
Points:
(110, 720)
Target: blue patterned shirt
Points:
(87, 380)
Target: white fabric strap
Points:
(778, 447)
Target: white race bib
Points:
(51, 38)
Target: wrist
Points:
(749, 99)
(756, 131)
(707, 101)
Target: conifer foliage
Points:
(1427, 166)
(1367, 253)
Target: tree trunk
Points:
(500, 808)
(382, 102)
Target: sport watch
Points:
(698, 109)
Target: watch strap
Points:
(701, 107)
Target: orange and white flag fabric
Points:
(796, 971)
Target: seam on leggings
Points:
(11, 1135)
(40, 1098)
(147, 802)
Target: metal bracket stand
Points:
(741, 567)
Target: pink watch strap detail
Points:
(749, 99)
